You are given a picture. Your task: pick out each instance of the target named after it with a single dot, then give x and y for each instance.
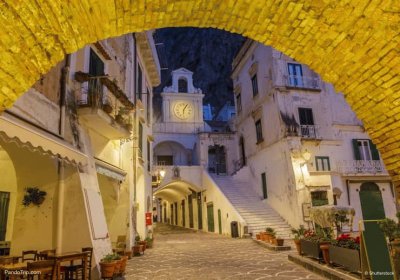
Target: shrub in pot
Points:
(117, 259)
(137, 248)
(107, 266)
(269, 232)
(344, 251)
(149, 242)
(124, 260)
(298, 234)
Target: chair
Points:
(42, 269)
(30, 255)
(44, 255)
(76, 271)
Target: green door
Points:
(210, 217)
(264, 185)
(219, 222)
(4, 202)
(375, 242)
(190, 202)
(199, 211)
(183, 213)
(371, 202)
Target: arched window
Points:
(182, 85)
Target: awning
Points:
(109, 170)
(35, 140)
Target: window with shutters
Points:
(322, 163)
(307, 127)
(254, 85)
(140, 140)
(295, 75)
(319, 198)
(239, 103)
(364, 149)
(139, 82)
(264, 185)
(259, 132)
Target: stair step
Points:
(257, 214)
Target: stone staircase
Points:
(257, 214)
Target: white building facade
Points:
(299, 142)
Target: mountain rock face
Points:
(206, 52)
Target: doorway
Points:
(219, 222)
(217, 159)
(210, 217)
(371, 201)
(190, 204)
(199, 211)
(183, 213)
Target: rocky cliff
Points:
(206, 52)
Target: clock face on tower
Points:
(183, 110)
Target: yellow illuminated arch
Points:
(352, 44)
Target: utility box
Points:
(234, 229)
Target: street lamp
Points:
(306, 155)
(162, 173)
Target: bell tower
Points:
(182, 102)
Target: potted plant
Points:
(137, 248)
(107, 266)
(117, 259)
(298, 234)
(33, 196)
(272, 238)
(258, 236)
(391, 230)
(149, 242)
(280, 241)
(124, 260)
(312, 241)
(345, 251)
(268, 234)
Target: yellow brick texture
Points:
(353, 44)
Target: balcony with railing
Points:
(309, 132)
(303, 82)
(103, 106)
(361, 167)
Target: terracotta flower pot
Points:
(107, 108)
(107, 269)
(144, 243)
(128, 254)
(263, 236)
(325, 252)
(124, 260)
(298, 245)
(258, 236)
(136, 250)
(117, 267)
(273, 241)
(279, 241)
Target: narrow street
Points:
(184, 254)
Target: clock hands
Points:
(184, 108)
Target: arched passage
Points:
(353, 45)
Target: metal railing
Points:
(180, 127)
(299, 81)
(309, 131)
(360, 166)
(93, 94)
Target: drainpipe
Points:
(134, 217)
(61, 164)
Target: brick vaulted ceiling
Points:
(353, 44)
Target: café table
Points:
(12, 267)
(70, 257)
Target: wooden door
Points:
(210, 217)
(219, 222)
(190, 202)
(199, 211)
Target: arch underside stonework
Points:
(352, 44)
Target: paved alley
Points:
(184, 254)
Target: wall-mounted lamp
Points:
(162, 173)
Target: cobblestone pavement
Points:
(184, 254)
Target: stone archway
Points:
(355, 47)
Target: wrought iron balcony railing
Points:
(299, 81)
(361, 167)
(309, 131)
